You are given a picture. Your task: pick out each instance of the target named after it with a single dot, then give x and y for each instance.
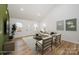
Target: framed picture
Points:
(71, 24)
(60, 25)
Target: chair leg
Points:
(36, 47)
(42, 51)
(51, 48)
(59, 41)
(51, 45)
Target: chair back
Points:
(47, 42)
(58, 38)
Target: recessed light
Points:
(21, 9)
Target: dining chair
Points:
(58, 39)
(44, 44)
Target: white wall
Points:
(63, 12)
(60, 12)
(27, 29)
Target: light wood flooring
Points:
(65, 48)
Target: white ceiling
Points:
(30, 11)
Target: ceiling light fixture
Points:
(21, 9)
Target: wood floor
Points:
(65, 48)
(21, 48)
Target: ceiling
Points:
(30, 11)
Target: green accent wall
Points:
(1, 34)
(3, 17)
